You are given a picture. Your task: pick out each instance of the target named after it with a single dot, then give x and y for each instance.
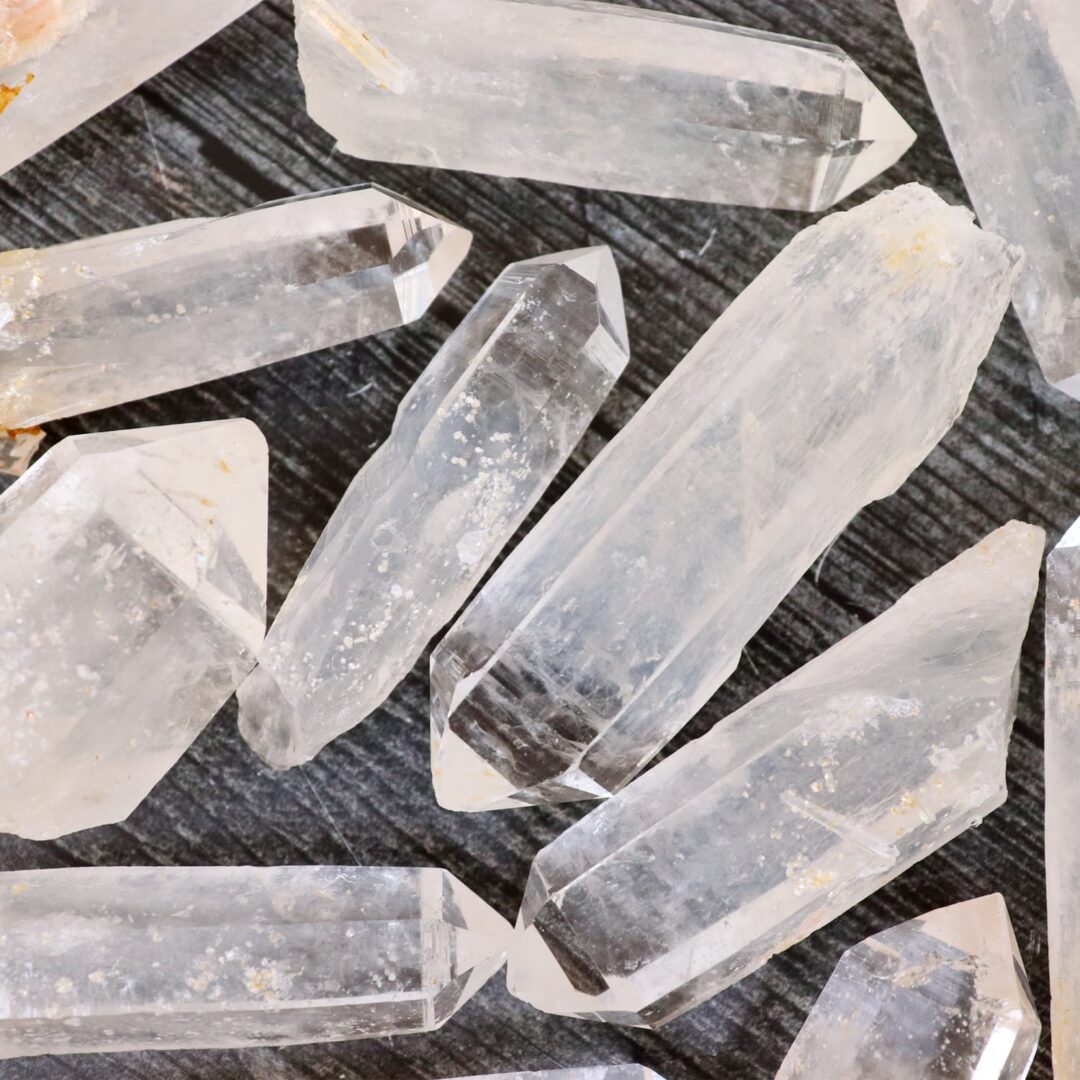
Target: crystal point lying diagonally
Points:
(820, 388)
(600, 95)
(787, 813)
(475, 443)
(116, 318)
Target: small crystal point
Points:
(133, 574)
(790, 811)
(98, 322)
(1005, 81)
(599, 1072)
(819, 389)
(475, 443)
(599, 95)
(944, 995)
(140, 958)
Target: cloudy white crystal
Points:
(116, 318)
(153, 958)
(475, 443)
(133, 589)
(820, 388)
(787, 813)
(599, 95)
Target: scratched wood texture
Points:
(225, 129)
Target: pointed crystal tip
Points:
(269, 723)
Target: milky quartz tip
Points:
(600, 95)
(61, 61)
(600, 1072)
(137, 958)
(1004, 77)
(474, 445)
(98, 322)
(133, 580)
(818, 390)
(791, 810)
(944, 995)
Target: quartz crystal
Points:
(942, 996)
(61, 61)
(1005, 80)
(609, 1072)
(1062, 744)
(599, 95)
(98, 322)
(787, 813)
(153, 958)
(475, 443)
(133, 587)
(820, 388)
(17, 449)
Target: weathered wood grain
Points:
(226, 128)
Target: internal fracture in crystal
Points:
(476, 442)
(133, 586)
(98, 322)
(790, 811)
(944, 995)
(819, 390)
(61, 61)
(599, 95)
(1005, 81)
(153, 958)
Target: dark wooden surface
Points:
(225, 129)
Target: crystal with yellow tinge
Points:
(599, 95)
(152, 958)
(942, 996)
(98, 322)
(17, 449)
(788, 812)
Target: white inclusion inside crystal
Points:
(464, 781)
(472, 547)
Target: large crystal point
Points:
(1005, 81)
(133, 591)
(98, 322)
(61, 61)
(790, 811)
(475, 444)
(598, 95)
(819, 389)
(140, 958)
(1062, 741)
(600, 1072)
(942, 996)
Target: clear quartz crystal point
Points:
(62, 61)
(474, 445)
(1062, 756)
(154, 958)
(1005, 81)
(820, 388)
(97, 322)
(599, 95)
(942, 996)
(133, 587)
(790, 811)
(600, 1072)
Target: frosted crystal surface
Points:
(601, 1072)
(154, 958)
(819, 390)
(791, 810)
(133, 587)
(115, 318)
(599, 95)
(942, 996)
(475, 443)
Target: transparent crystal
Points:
(790, 811)
(61, 61)
(599, 95)
(17, 449)
(133, 586)
(97, 322)
(1005, 80)
(476, 442)
(817, 391)
(944, 996)
(600, 1072)
(154, 958)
